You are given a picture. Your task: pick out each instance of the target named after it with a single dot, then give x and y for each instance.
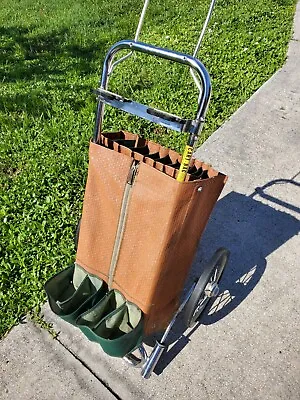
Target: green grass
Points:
(51, 56)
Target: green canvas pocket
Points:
(72, 291)
(88, 320)
(114, 323)
(121, 331)
(103, 316)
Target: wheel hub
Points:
(212, 289)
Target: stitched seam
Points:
(134, 298)
(85, 266)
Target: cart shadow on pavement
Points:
(251, 230)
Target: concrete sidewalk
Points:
(34, 366)
(248, 347)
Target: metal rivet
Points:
(200, 189)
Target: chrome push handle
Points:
(138, 31)
(170, 121)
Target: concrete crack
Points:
(105, 384)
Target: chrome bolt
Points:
(212, 290)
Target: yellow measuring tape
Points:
(184, 166)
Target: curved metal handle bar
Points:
(170, 55)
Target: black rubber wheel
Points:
(76, 237)
(206, 287)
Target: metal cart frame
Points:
(206, 287)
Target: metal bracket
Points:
(135, 361)
(162, 118)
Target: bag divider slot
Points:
(126, 142)
(125, 150)
(176, 165)
(153, 156)
(165, 160)
(141, 150)
(159, 157)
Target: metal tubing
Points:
(182, 305)
(194, 76)
(212, 4)
(159, 347)
(136, 37)
(153, 360)
(180, 58)
(135, 361)
(110, 66)
(141, 21)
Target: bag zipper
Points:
(122, 220)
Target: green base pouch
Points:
(72, 291)
(116, 324)
(91, 318)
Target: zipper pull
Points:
(133, 172)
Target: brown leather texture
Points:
(163, 225)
